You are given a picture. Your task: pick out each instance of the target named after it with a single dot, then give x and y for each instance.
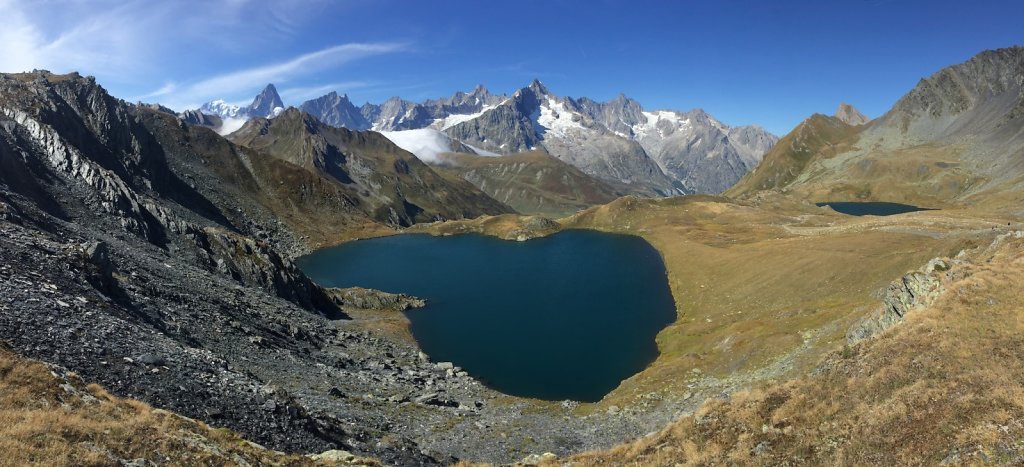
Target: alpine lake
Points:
(567, 316)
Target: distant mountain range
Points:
(652, 153)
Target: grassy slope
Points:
(531, 182)
(761, 290)
(817, 137)
(915, 395)
(51, 418)
(768, 288)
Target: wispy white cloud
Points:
(163, 91)
(302, 93)
(160, 51)
(306, 64)
(102, 40)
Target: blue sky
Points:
(771, 63)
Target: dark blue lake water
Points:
(870, 208)
(564, 317)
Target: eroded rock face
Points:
(911, 292)
(255, 263)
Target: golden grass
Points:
(776, 285)
(762, 287)
(41, 423)
(945, 385)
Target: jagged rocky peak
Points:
(336, 110)
(618, 115)
(850, 115)
(478, 96)
(266, 103)
(537, 87)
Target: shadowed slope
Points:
(390, 184)
(532, 182)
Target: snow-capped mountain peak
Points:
(618, 141)
(222, 109)
(266, 102)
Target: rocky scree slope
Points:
(116, 265)
(52, 417)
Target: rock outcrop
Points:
(849, 115)
(369, 299)
(913, 291)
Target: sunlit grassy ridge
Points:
(944, 386)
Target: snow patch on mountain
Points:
(455, 119)
(424, 143)
(556, 120)
(222, 109)
(661, 123)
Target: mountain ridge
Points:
(509, 124)
(955, 139)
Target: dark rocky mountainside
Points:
(384, 181)
(532, 182)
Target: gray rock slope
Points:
(534, 117)
(336, 110)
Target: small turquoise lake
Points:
(563, 317)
